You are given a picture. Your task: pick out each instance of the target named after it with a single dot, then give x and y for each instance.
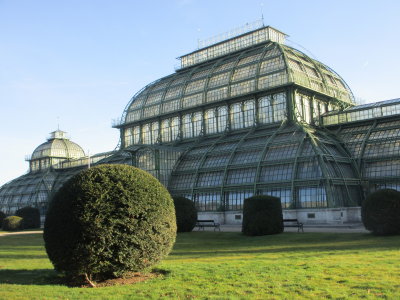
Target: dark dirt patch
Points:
(131, 278)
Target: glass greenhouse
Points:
(242, 116)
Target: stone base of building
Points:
(323, 216)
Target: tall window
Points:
(136, 134)
(299, 108)
(222, 118)
(154, 132)
(197, 123)
(279, 106)
(146, 134)
(210, 121)
(128, 137)
(265, 111)
(187, 126)
(165, 130)
(236, 116)
(248, 111)
(174, 128)
(307, 109)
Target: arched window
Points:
(187, 126)
(136, 135)
(128, 137)
(222, 118)
(248, 111)
(174, 128)
(165, 130)
(154, 132)
(197, 123)
(210, 121)
(146, 136)
(265, 111)
(236, 116)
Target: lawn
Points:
(221, 265)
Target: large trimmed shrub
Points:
(262, 215)
(12, 223)
(186, 214)
(31, 216)
(380, 212)
(2, 217)
(108, 221)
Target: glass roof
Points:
(363, 112)
(58, 146)
(285, 156)
(32, 189)
(375, 145)
(264, 67)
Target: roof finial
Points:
(58, 123)
(262, 13)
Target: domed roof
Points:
(58, 145)
(259, 68)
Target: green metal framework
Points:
(305, 168)
(262, 119)
(259, 68)
(371, 134)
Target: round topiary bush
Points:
(2, 217)
(380, 212)
(108, 221)
(262, 215)
(186, 214)
(12, 223)
(31, 216)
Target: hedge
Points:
(186, 214)
(262, 215)
(12, 223)
(380, 212)
(31, 216)
(107, 221)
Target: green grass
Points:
(213, 265)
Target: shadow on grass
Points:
(51, 277)
(237, 244)
(30, 277)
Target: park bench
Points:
(201, 224)
(293, 223)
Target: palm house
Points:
(243, 115)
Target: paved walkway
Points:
(345, 228)
(20, 232)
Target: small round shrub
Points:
(31, 216)
(12, 223)
(380, 212)
(108, 221)
(186, 214)
(2, 217)
(262, 215)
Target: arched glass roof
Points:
(32, 189)
(375, 145)
(58, 146)
(312, 168)
(258, 68)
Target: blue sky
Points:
(78, 63)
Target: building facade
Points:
(250, 115)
